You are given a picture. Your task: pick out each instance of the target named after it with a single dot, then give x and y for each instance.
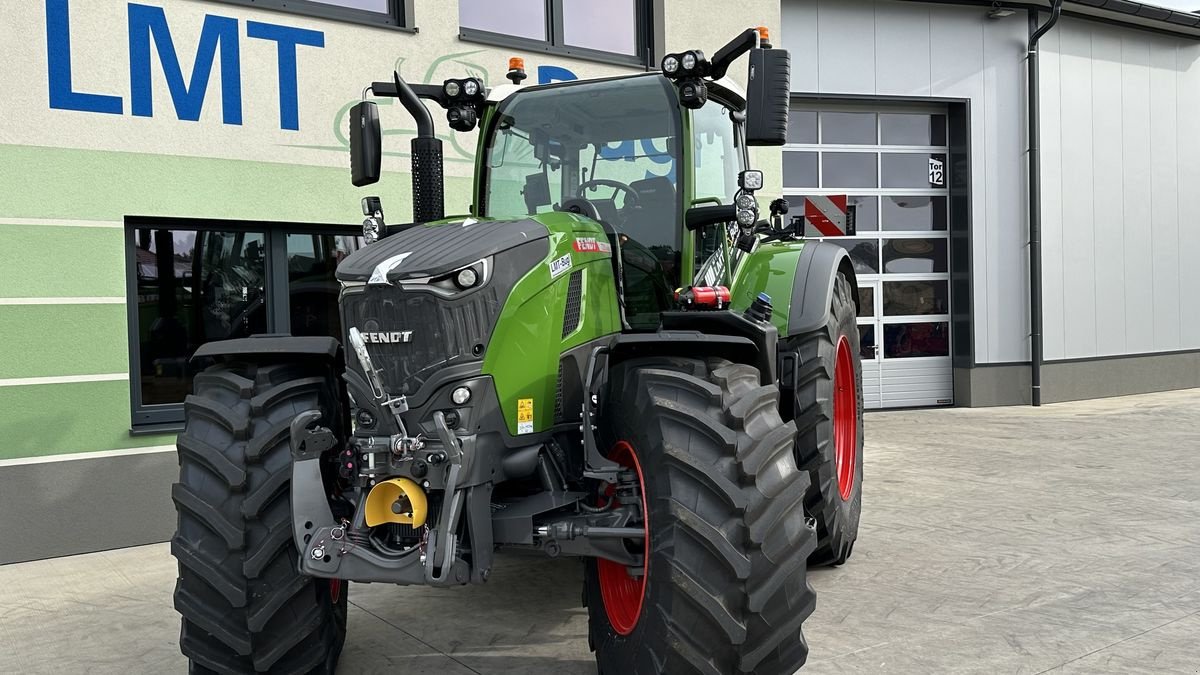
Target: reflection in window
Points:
(866, 342)
(802, 127)
(717, 158)
(380, 6)
(864, 253)
(914, 213)
(609, 26)
(800, 169)
(312, 288)
(866, 301)
(912, 340)
(908, 298)
(193, 287)
(912, 129)
(847, 128)
(519, 18)
(914, 256)
(842, 170)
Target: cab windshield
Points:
(604, 149)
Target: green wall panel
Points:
(51, 419)
(45, 340)
(61, 261)
(102, 185)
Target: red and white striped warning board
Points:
(827, 216)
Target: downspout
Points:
(1035, 200)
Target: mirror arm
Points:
(726, 55)
(698, 217)
(410, 96)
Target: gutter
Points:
(1035, 200)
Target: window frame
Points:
(164, 417)
(398, 17)
(646, 13)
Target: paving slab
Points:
(1064, 539)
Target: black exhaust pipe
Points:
(428, 191)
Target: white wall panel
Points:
(1078, 206)
(1136, 189)
(846, 43)
(1188, 67)
(1053, 304)
(1164, 192)
(801, 38)
(902, 52)
(1121, 142)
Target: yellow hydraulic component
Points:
(398, 500)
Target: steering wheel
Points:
(631, 195)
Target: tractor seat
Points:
(656, 206)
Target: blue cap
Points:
(765, 298)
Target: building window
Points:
(614, 30)
(389, 13)
(192, 282)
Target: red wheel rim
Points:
(845, 418)
(623, 593)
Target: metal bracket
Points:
(596, 464)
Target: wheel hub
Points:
(622, 589)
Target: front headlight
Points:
(745, 217)
(745, 202)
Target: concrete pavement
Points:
(1064, 539)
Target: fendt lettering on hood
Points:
(393, 337)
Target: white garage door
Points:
(891, 162)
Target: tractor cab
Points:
(613, 150)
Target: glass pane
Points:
(904, 170)
(905, 298)
(910, 340)
(866, 301)
(914, 213)
(864, 253)
(912, 129)
(520, 18)
(609, 26)
(915, 256)
(192, 288)
(849, 170)
(312, 288)
(848, 128)
(718, 161)
(802, 126)
(866, 342)
(866, 213)
(800, 169)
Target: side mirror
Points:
(366, 144)
(767, 97)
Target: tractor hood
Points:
(431, 250)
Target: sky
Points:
(1184, 5)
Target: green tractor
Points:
(611, 357)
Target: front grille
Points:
(574, 302)
(444, 331)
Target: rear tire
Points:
(245, 606)
(835, 503)
(725, 587)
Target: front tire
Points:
(828, 414)
(724, 586)
(245, 607)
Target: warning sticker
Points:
(591, 245)
(524, 416)
(560, 265)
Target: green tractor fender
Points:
(812, 289)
